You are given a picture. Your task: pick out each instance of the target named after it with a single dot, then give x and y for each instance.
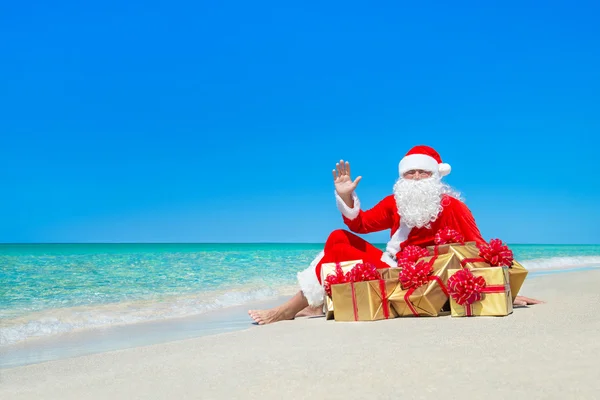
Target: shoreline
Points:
(103, 339)
(529, 354)
(97, 340)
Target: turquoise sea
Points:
(48, 289)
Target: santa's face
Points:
(417, 174)
(418, 195)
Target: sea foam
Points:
(64, 320)
(55, 321)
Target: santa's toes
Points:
(263, 317)
(255, 315)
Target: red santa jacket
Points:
(384, 215)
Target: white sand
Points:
(542, 352)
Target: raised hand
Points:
(342, 179)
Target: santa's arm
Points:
(375, 219)
(465, 222)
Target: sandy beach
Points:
(545, 351)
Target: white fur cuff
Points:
(309, 284)
(350, 213)
(386, 258)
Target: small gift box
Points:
(360, 294)
(363, 301)
(471, 255)
(479, 292)
(423, 291)
(328, 269)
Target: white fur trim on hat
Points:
(309, 284)
(424, 162)
(346, 211)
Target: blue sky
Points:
(196, 122)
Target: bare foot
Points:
(263, 317)
(310, 312)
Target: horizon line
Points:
(246, 243)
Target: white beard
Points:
(419, 202)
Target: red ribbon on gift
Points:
(466, 289)
(361, 272)
(486, 289)
(448, 235)
(413, 277)
(354, 305)
(410, 255)
(384, 300)
(494, 253)
(334, 279)
(385, 304)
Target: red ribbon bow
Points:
(414, 276)
(363, 272)
(410, 255)
(334, 279)
(465, 288)
(448, 235)
(359, 273)
(496, 253)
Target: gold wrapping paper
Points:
(368, 296)
(328, 269)
(390, 273)
(428, 300)
(517, 274)
(516, 271)
(492, 304)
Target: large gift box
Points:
(469, 255)
(423, 291)
(364, 301)
(479, 292)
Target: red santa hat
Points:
(425, 158)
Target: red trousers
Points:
(342, 245)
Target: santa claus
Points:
(420, 205)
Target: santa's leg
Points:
(285, 311)
(308, 298)
(341, 245)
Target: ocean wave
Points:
(64, 320)
(560, 262)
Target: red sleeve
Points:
(462, 220)
(378, 218)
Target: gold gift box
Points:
(429, 299)
(329, 269)
(492, 304)
(363, 301)
(516, 271)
